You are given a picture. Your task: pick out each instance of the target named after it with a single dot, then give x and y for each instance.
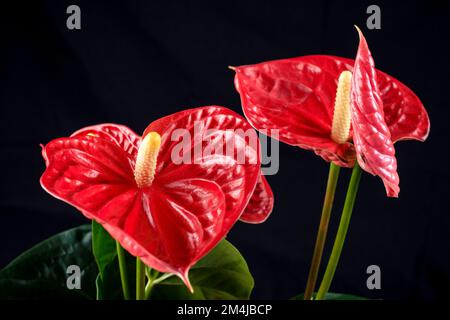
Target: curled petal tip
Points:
(232, 68)
(360, 34)
(44, 154)
(393, 191)
(185, 278)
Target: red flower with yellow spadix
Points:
(169, 214)
(342, 109)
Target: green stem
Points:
(140, 279)
(333, 176)
(148, 290)
(123, 271)
(151, 283)
(341, 233)
(149, 273)
(162, 278)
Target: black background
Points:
(135, 61)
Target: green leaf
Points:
(103, 247)
(109, 286)
(41, 272)
(222, 274)
(333, 296)
(108, 282)
(14, 289)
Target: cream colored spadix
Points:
(342, 117)
(144, 170)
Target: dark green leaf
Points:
(109, 287)
(103, 246)
(108, 282)
(41, 272)
(222, 274)
(14, 289)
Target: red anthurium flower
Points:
(167, 213)
(298, 97)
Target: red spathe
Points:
(296, 96)
(186, 210)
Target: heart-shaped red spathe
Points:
(296, 96)
(261, 204)
(371, 135)
(188, 208)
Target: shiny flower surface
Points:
(297, 96)
(168, 214)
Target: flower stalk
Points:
(341, 233)
(123, 271)
(333, 176)
(140, 279)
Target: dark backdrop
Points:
(134, 62)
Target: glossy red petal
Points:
(163, 225)
(121, 135)
(210, 130)
(87, 173)
(188, 208)
(95, 175)
(188, 214)
(371, 135)
(166, 226)
(261, 203)
(404, 113)
(295, 96)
